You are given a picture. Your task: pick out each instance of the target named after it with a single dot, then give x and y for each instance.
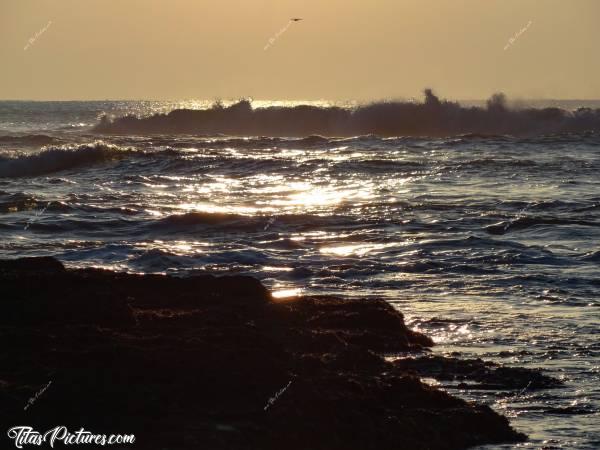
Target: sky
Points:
(343, 49)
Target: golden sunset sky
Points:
(342, 50)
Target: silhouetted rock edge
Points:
(188, 363)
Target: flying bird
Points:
(296, 19)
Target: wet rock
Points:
(355, 359)
(31, 265)
(192, 363)
(367, 323)
(486, 375)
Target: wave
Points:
(255, 142)
(523, 223)
(373, 166)
(228, 221)
(75, 126)
(433, 117)
(201, 218)
(18, 201)
(55, 159)
(592, 256)
(28, 139)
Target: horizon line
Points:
(510, 99)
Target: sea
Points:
(488, 244)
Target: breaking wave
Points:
(54, 159)
(259, 142)
(433, 117)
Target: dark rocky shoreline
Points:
(189, 363)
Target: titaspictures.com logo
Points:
(24, 435)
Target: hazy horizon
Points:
(342, 50)
(300, 100)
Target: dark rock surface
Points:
(485, 374)
(193, 363)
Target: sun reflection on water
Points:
(353, 249)
(286, 293)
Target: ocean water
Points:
(489, 244)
